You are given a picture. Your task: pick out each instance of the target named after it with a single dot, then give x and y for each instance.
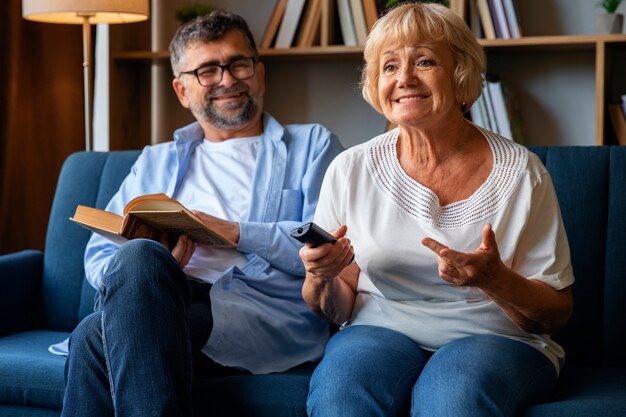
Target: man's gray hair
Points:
(207, 28)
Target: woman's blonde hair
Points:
(414, 22)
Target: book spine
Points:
(346, 23)
(310, 26)
(513, 111)
(511, 18)
(371, 13)
(485, 19)
(358, 16)
(491, 116)
(273, 24)
(499, 109)
(289, 24)
(477, 113)
(499, 19)
(618, 119)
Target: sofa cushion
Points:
(614, 331)
(581, 180)
(271, 395)
(29, 374)
(585, 392)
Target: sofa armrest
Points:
(20, 279)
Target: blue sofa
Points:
(44, 295)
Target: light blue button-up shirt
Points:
(261, 322)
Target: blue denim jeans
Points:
(373, 371)
(134, 356)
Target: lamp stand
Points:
(87, 76)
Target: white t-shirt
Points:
(218, 182)
(388, 214)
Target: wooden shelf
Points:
(314, 53)
(552, 43)
(537, 43)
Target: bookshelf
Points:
(565, 82)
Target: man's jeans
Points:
(133, 355)
(372, 371)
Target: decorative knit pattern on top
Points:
(509, 160)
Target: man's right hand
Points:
(183, 250)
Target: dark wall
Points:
(41, 120)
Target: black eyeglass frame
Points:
(223, 67)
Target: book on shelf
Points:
(474, 23)
(618, 119)
(478, 113)
(497, 110)
(151, 216)
(494, 19)
(289, 24)
(370, 9)
(514, 112)
(358, 17)
(490, 111)
(498, 17)
(327, 24)
(485, 19)
(501, 116)
(512, 18)
(309, 29)
(273, 24)
(346, 23)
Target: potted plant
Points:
(188, 11)
(610, 22)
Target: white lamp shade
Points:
(73, 11)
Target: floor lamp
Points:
(86, 12)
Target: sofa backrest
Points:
(90, 179)
(591, 187)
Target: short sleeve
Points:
(543, 249)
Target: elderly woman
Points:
(462, 267)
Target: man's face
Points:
(231, 103)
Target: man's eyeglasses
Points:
(210, 75)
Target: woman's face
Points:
(416, 84)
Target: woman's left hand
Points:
(478, 268)
(532, 305)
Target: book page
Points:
(176, 223)
(153, 202)
(101, 222)
(98, 219)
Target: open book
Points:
(151, 216)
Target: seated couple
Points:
(461, 265)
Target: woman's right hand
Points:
(328, 260)
(330, 284)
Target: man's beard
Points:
(238, 114)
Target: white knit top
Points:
(388, 214)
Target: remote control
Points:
(312, 234)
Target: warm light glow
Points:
(74, 11)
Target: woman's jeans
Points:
(373, 371)
(133, 355)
